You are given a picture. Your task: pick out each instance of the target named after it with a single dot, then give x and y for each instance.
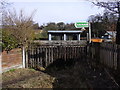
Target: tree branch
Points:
(112, 6)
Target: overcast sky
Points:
(68, 11)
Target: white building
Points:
(110, 34)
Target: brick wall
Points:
(12, 58)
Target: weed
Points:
(12, 70)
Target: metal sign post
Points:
(89, 32)
(83, 25)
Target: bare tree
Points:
(114, 7)
(20, 26)
(3, 5)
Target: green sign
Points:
(81, 24)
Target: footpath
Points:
(97, 76)
(83, 74)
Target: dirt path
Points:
(79, 75)
(82, 75)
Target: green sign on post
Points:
(81, 24)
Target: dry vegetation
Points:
(81, 75)
(52, 77)
(27, 78)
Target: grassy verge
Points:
(26, 78)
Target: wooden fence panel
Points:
(118, 57)
(109, 54)
(44, 55)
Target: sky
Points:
(67, 11)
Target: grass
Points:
(11, 70)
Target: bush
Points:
(8, 41)
(41, 35)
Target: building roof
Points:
(112, 33)
(73, 31)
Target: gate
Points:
(44, 55)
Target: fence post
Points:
(26, 58)
(97, 52)
(118, 57)
(23, 56)
(88, 50)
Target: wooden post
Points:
(64, 37)
(1, 53)
(118, 57)
(41, 57)
(26, 56)
(87, 37)
(46, 56)
(49, 37)
(79, 37)
(0, 71)
(97, 52)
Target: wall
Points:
(12, 58)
